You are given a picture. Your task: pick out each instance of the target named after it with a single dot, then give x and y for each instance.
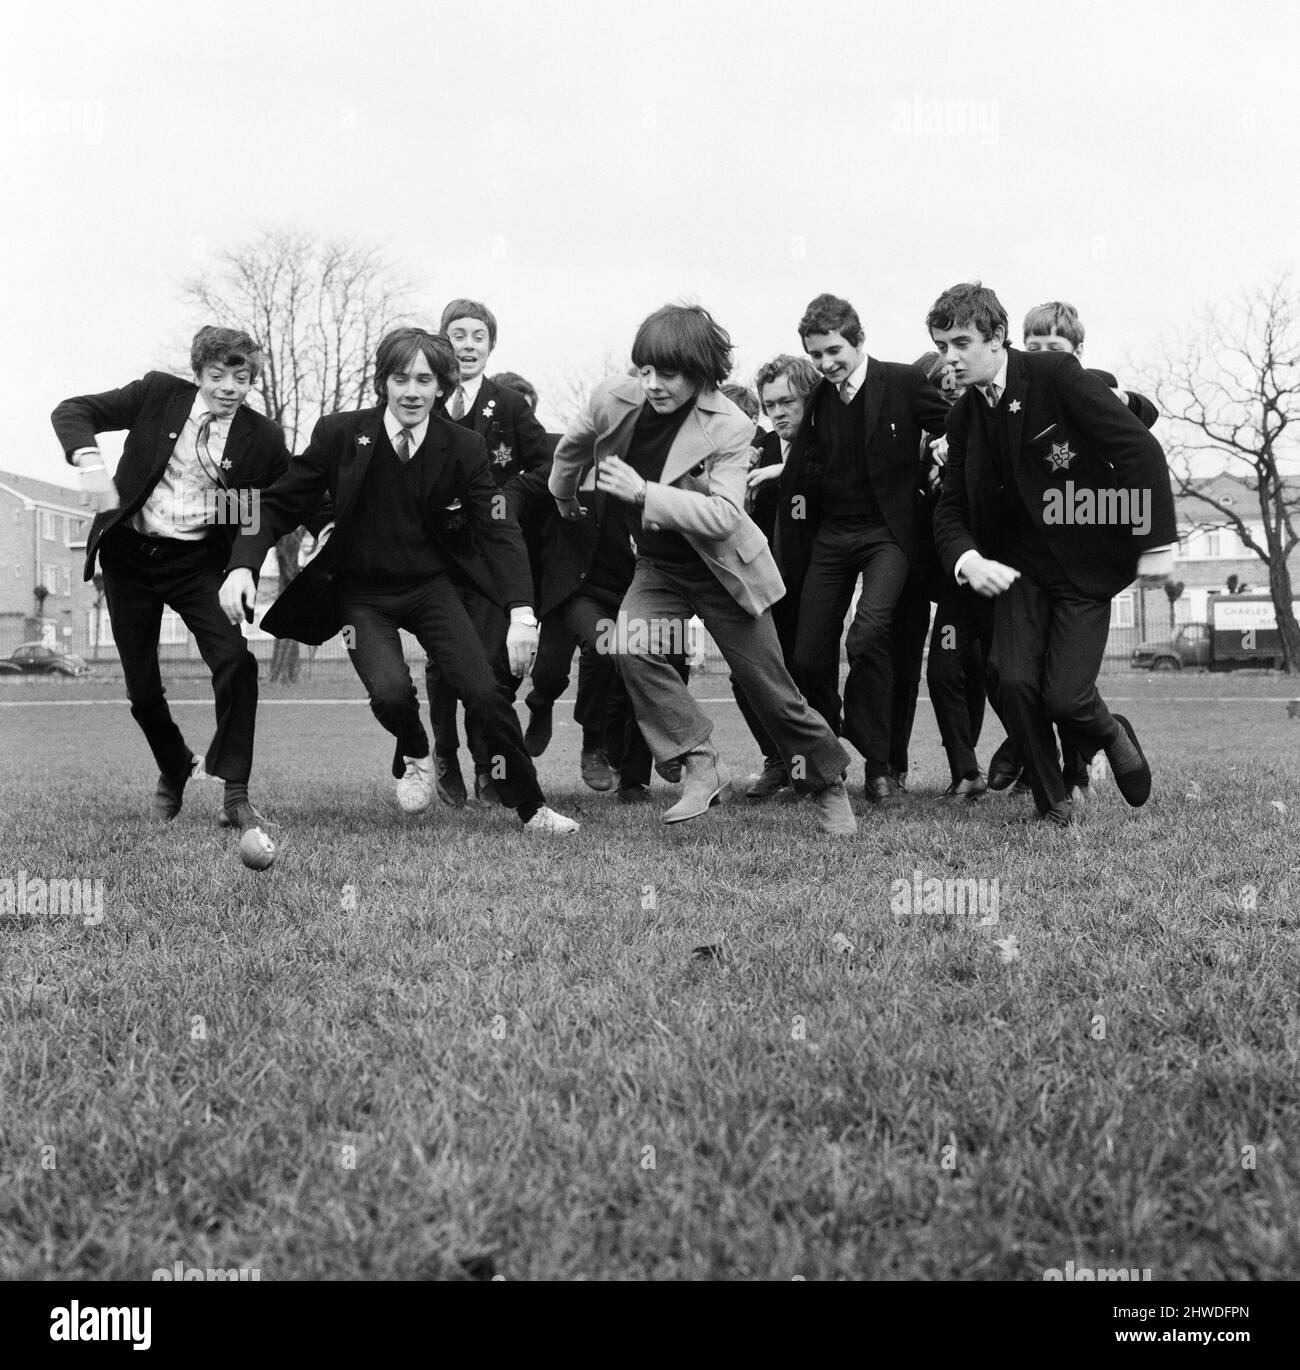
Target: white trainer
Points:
(547, 820)
(415, 788)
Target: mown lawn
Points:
(431, 1047)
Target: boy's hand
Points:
(988, 578)
(238, 595)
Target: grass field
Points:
(433, 1047)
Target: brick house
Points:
(43, 529)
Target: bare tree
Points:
(566, 394)
(1233, 392)
(317, 307)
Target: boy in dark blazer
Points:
(194, 461)
(1056, 327)
(1055, 497)
(417, 516)
(516, 443)
(848, 507)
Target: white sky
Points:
(578, 164)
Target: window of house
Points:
(1121, 610)
(1212, 544)
(47, 524)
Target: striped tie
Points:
(458, 403)
(402, 446)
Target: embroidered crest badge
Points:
(1060, 457)
(502, 456)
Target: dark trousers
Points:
(907, 638)
(141, 577)
(960, 644)
(490, 623)
(1048, 644)
(672, 721)
(435, 613)
(841, 552)
(554, 661)
(608, 717)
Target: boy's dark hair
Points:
(398, 349)
(799, 371)
(512, 380)
(1056, 316)
(968, 305)
(470, 309)
(743, 398)
(684, 338)
(225, 347)
(830, 314)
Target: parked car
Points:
(35, 658)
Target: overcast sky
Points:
(575, 165)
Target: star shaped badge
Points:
(1014, 406)
(501, 456)
(224, 464)
(1060, 457)
(363, 442)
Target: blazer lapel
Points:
(1017, 387)
(433, 453)
(237, 444)
(175, 416)
(873, 387)
(354, 461)
(692, 444)
(484, 407)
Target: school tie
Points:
(846, 392)
(458, 403)
(402, 446)
(201, 445)
(994, 393)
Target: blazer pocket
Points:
(751, 551)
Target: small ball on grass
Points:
(256, 850)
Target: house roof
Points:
(1232, 494)
(67, 499)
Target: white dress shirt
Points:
(393, 426)
(849, 388)
(181, 505)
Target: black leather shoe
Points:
(241, 817)
(671, 771)
(537, 736)
(448, 781)
(597, 773)
(1134, 785)
(1059, 815)
(170, 794)
(485, 790)
(966, 788)
(1005, 767)
(882, 790)
(772, 781)
(634, 794)
(899, 778)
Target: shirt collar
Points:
(393, 425)
(1000, 380)
(859, 375)
(200, 407)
